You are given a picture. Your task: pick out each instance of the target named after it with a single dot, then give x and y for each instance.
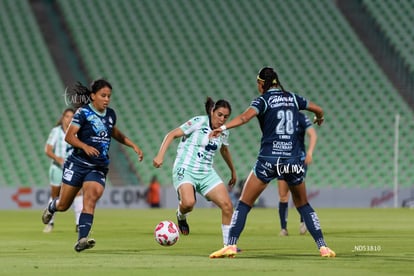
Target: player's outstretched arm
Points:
(312, 135)
(225, 152)
(121, 138)
(159, 158)
(318, 111)
(239, 120)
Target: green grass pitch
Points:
(367, 242)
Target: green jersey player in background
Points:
(57, 150)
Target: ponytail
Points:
(79, 95)
(210, 105)
(270, 78)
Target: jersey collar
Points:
(102, 114)
(278, 90)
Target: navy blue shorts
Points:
(292, 170)
(75, 175)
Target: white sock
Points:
(52, 221)
(225, 229)
(77, 207)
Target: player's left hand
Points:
(140, 153)
(232, 181)
(318, 121)
(308, 159)
(157, 161)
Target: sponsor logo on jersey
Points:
(278, 100)
(67, 174)
(289, 168)
(285, 146)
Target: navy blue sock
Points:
(85, 225)
(312, 223)
(52, 206)
(238, 221)
(283, 212)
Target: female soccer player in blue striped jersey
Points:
(90, 134)
(279, 155)
(304, 127)
(57, 149)
(193, 167)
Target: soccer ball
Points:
(166, 233)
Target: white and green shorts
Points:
(55, 175)
(203, 182)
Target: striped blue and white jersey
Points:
(196, 151)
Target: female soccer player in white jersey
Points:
(193, 167)
(279, 156)
(57, 149)
(90, 133)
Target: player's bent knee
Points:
(187, 205)
(227, 207)
(62, 207)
